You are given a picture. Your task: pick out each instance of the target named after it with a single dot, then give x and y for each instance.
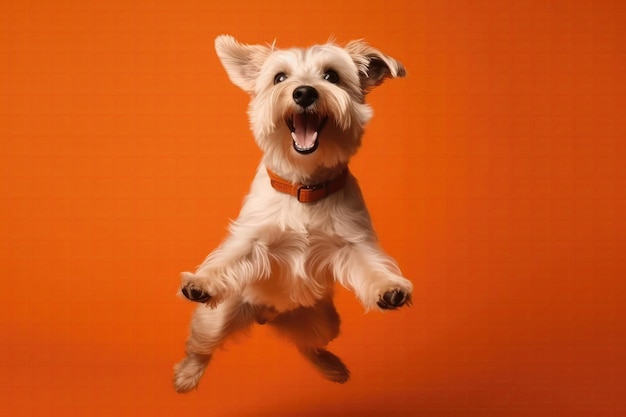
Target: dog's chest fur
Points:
(299, 238)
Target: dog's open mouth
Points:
(305, 129)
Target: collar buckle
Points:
(312, 188)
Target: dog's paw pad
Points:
(195, 294)
(393, 299)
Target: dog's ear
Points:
(242, 62)
(374, 66)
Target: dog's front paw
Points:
(193, 293)
(393, 299)
(202, 288)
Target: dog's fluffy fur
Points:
(282, 257)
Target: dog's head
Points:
(308, 109)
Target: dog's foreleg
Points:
(209, 328)
(237, 262)
(371, 274)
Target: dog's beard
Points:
(306, 128)
(299, 143)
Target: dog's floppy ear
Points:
(374, 66)
(242, 62)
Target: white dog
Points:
(304, 224)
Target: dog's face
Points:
(307, 110)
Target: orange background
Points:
(494, 174)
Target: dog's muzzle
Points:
(305, 125)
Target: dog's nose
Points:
(305, 95)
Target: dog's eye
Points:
(280, 77)
(331, 76)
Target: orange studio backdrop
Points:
(494, 174)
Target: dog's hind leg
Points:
(209, 329)
(329, 364)
(311, 329)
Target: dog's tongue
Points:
(305, 128)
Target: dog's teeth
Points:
(314, 136)
(293, 135)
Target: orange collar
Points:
(308, 193)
